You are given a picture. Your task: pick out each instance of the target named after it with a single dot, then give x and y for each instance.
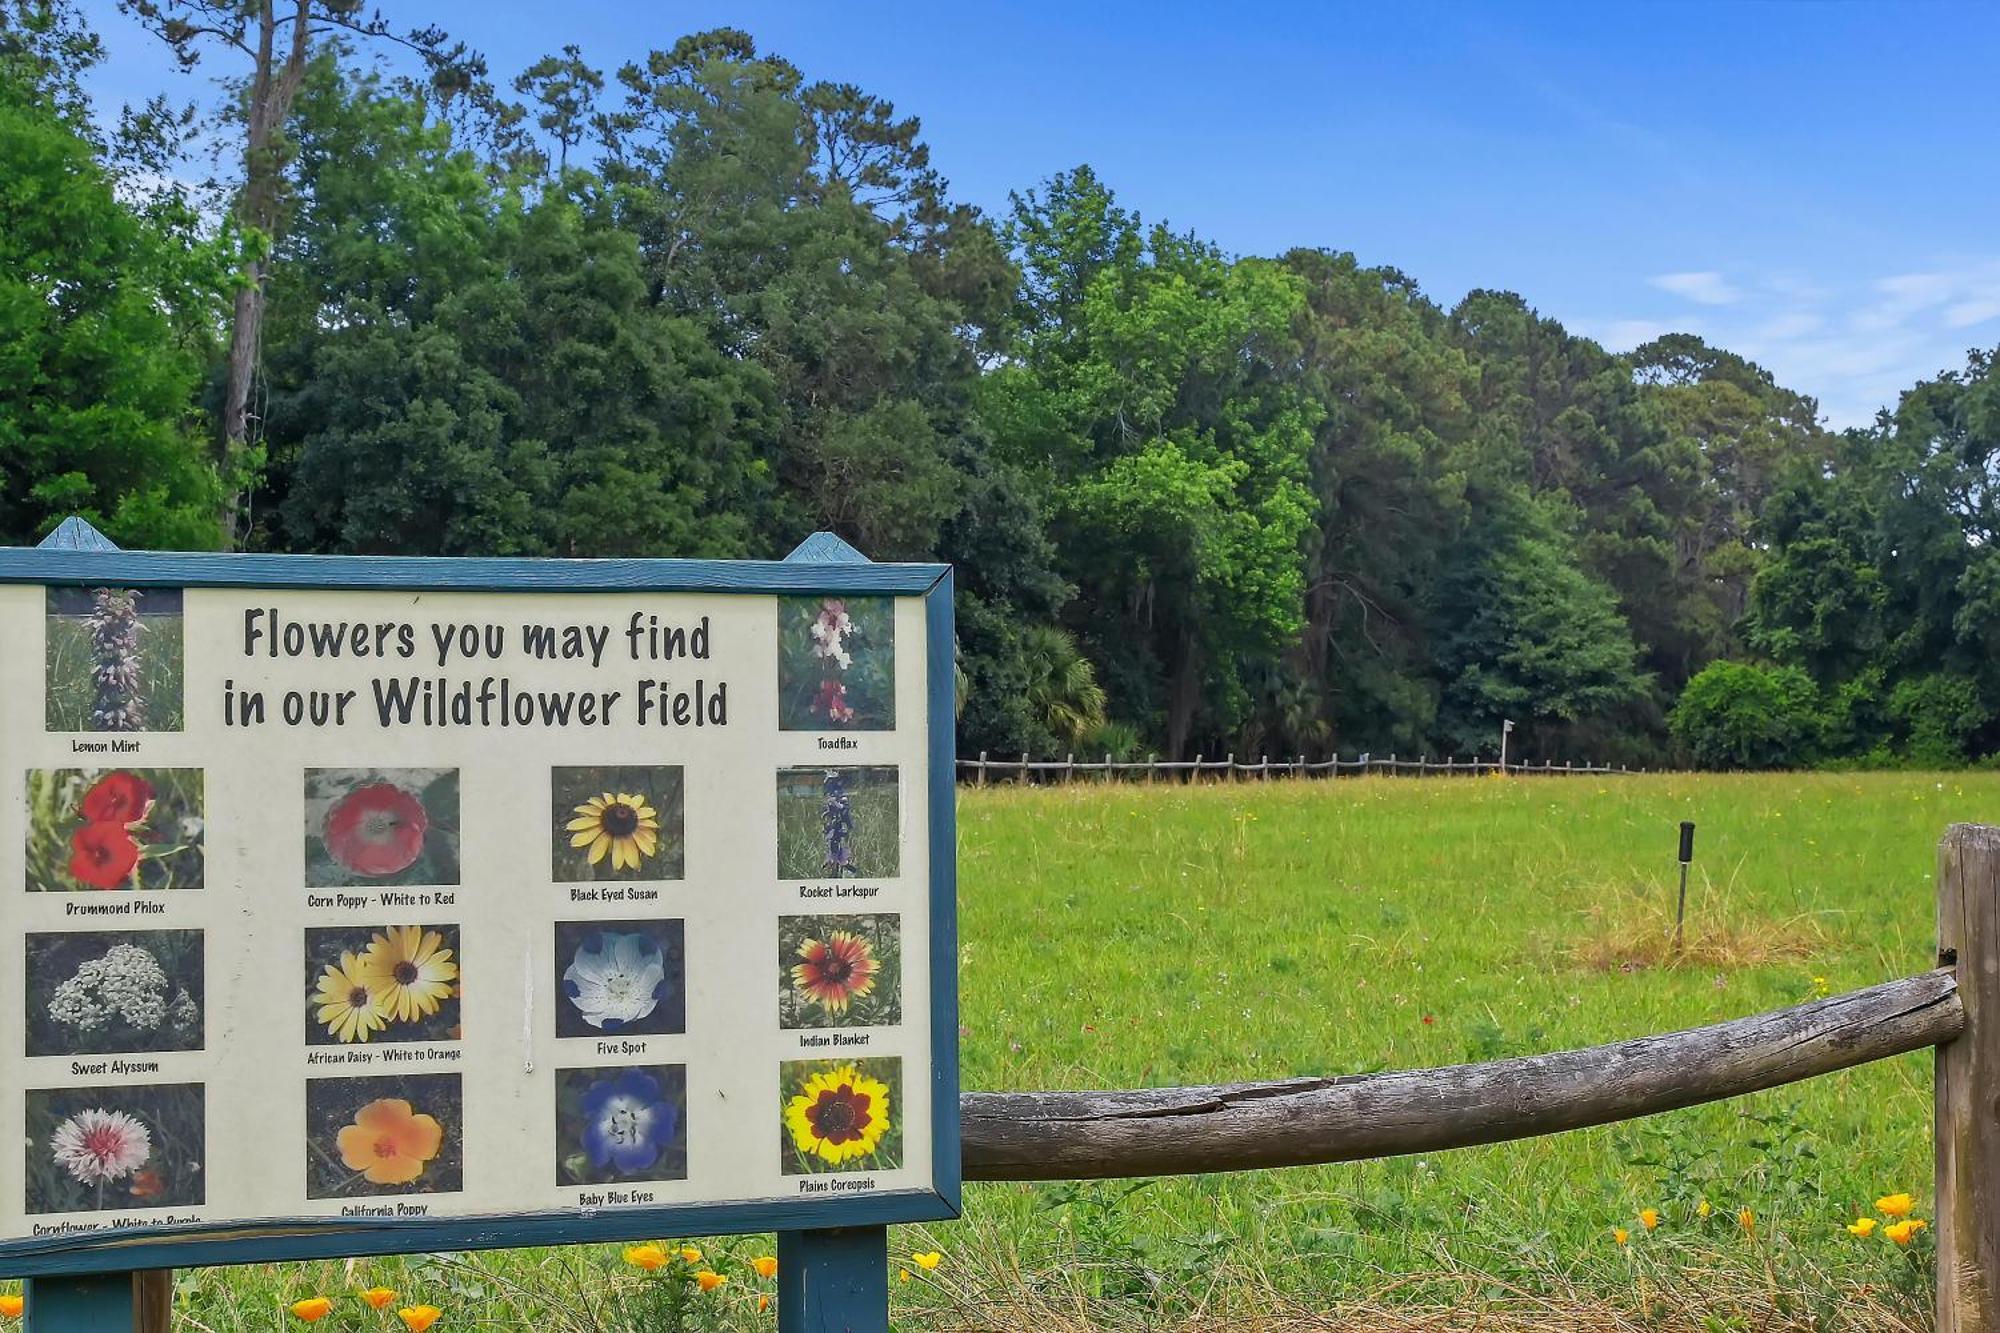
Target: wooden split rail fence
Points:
(1296, 1122)
(984, 769)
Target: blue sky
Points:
(1812, 185)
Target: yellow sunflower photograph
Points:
(841, 1115)
(617, 823)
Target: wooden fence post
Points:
(834, 1280)
(101, 1302)
(1968, 1082)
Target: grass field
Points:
(1153, 935)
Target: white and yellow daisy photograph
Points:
(368, 984)
(618, 823)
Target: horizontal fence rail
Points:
(985, 769)
(1302, 1121)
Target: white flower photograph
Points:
(620, 976)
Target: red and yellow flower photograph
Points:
(841, 1115)
(381, 826)
(399, 1134)
(840, 971)
(115, 828)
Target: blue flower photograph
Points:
(838, 823)
(621, 1124)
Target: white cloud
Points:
(1705, 288)
(1975, 310)
(1854, 342)
(1623, 335)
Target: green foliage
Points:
(107, 314)
(1147, 403)
(1882, 582)
(1738, 715)
(704, 304)
(1939, 716)
(495, 378)
(1523, 633)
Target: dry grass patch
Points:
(1629, 937)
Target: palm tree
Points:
(1063, 693)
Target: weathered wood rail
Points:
(1302, 1121)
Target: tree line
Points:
(704, 305)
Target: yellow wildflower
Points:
(1703, 1209)
(312, 1309)
(766, 1266)
(708, 1280)
(1905, 1231)
(1895, 1205)
(1747, 1219)
(649, 1257)
(690, 1254)
(927, 1262)
(902, 1275)
(763, 1302)
(1649, 1218)
(1861, 1226)
(12, 1304)
(1621, 1235)
(378, 1297)
(417, 1318)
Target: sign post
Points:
(375, 905)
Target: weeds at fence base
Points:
(1696, 1298)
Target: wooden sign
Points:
(374, 905)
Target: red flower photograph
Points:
(125, 828)
(840, 971)
(123, 797)
(103, 856)
(381, 826)
(377, 829)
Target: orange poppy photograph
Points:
(399, 1134)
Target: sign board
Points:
(361, 905)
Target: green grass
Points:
(1117, 936)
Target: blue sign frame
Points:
(821, 565)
